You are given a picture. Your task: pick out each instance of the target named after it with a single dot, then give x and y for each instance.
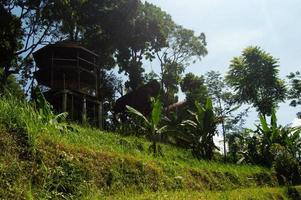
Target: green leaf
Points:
(156, 112)
(264, 123)
(189, 123)
(137, 113)
(162, 129)
(200, 113)
(61, 117)
(208, 105)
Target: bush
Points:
(286, 166)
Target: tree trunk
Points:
(223, 129)
(4, 77)
(224, 136)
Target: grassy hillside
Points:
(265, 193)
(43, 159)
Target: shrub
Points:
(286, 166)
(200, 131)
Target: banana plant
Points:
(46, 114)
(151, 126)
(270, 134)
(201, 130)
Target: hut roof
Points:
(63, 44)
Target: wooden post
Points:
(84, 111)
(78, 70)
(94, 114)
(96, 85)
(97, 73)
(72, 106)
(64, 81)
(100, 124)
(51, 70)
(64, 103)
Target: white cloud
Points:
(296, 122)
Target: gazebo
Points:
(71, 75)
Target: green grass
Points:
(238, 194)
(40, 161)
(138, 147)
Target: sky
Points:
(232, 25)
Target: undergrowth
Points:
(40, 161)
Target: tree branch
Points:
(33, 47)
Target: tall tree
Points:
(122, 32)
(99, 25)
(183, 48)
(10, 42)
(254, 76)
(26, 25)
(126, 31)
(148, 35)
(224, 104)
(195, 89)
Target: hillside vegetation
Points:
(43, 158)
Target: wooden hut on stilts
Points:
(71, 75)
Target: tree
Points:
(294, 92)
(124, 33)
(10, 36)
(111, 86)
(142, 36)
(254, 78)
(24, 26)
(196, 92)
(170, 80)
(134, 32)
(119, 31)
(183, 48)
(195, 89)
(224, 104)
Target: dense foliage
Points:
(125, 34)
(39, 161)
(254, 78)
(270, 145)
(183, 47)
